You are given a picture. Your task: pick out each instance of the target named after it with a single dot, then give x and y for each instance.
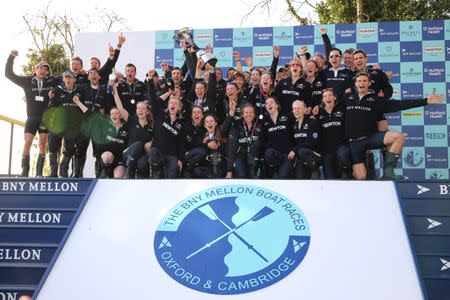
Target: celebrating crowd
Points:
(195, 122)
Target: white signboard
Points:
(138, 49)
(190, 239)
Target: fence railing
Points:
(12, 122)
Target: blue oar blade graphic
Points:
(262, 213)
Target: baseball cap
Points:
(43, 64)
(69, 74)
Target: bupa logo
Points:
(232, 239)
(413, 158)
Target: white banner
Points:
(190, 239)
(138, 49)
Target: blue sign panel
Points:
(223, 37)
(345, 33)
(263, 36)
(388, 32)
(34, 216)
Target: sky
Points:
(150, 16)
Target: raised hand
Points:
(111, 50)
(209, 68)
(121, 38)
(389, 74)
(200, 64)
(14, 53)
(236, 55)
(164, 66)
(208, 48)
(276, 51)
(303, 49)
(435, 99)
(249, 61)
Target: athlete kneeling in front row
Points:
(361, 110)
(168, 148)
(245, 145)
(333, 147)
(278, 135)
(306, 143)
(140, 137)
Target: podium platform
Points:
(96, 239)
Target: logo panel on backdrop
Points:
(232, 239)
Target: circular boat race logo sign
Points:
(232, 239)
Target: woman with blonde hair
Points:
(140, 129)
(116, 141)
(168, 148)
(292, 88)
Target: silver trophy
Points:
(112, 78)
(207, 58)
(184, 35)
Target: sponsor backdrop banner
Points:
(249, 239)
(416, 52)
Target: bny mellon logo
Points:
(433, 223)
(422, 189)
(446, 264)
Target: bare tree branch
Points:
(110, 19)
(32, 35)
(312, 6)
(48, 28)
(292, 11)
(261, 3)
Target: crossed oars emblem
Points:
(210, 213)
